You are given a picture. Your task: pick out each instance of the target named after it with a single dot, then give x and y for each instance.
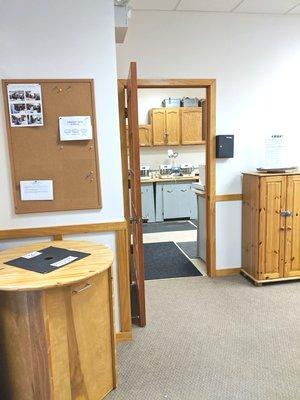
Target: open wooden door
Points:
(137, 256)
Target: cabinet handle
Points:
(86, 287)
(183, 190)
(289, 228)
(170, 191)
(286, 213)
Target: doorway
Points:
(186, 87)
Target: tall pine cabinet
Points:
(271, 226)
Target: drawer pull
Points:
(183, 190)
(170, 191)
(86, 287)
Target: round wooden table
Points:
(57, 336)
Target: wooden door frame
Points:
(210, 151)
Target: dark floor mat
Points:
(170, 226)
(165, 260)
(189, 248)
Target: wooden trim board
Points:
(120, 228)
(229, 197)
(124, 336)
(210, 86)
(228, 272)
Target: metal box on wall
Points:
(224, 146)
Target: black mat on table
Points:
(47, 260)
(170, 226)
(165, 260)
(189, 248)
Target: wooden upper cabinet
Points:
(158, 121)
(191, 125)
(292, 257)
(145, 132)
(172, 126)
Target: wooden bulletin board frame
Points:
(36, 153)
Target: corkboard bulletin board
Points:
(36, 153)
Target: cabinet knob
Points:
(286, 213)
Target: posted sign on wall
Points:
(75, 128)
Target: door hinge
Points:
(126, 112)
(137, 220)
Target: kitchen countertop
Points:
(200, 193)
(170, 179)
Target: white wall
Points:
(67, 39)
(256, 61)
(154, 156)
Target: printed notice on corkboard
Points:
(25, 105)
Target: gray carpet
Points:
(189, 248)
(168, 226)
(165, 260)
(220, 339)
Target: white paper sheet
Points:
(276, 152)
(32, 255)
(25, 105)
(64, 261)
(75, 128)
(36, 190)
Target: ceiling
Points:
(227, 6)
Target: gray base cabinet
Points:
(175, 200)
(148, 208)
(201, 230)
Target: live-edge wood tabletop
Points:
(19, 279)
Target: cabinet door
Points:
(292, 254)
(191, 125)
(91, 337)
(176, 201)
(145, 135)
(148, 202)
(158, 127)
(172, 126)
(272, 227)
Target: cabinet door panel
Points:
(148, 202)
(172, 126)
(176, 201)
(272, 227)
(91, 337)
(158, 127)
(191, 125)
(145, 135)
(292, 256)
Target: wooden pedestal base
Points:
(58, 343)
(263, 281)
